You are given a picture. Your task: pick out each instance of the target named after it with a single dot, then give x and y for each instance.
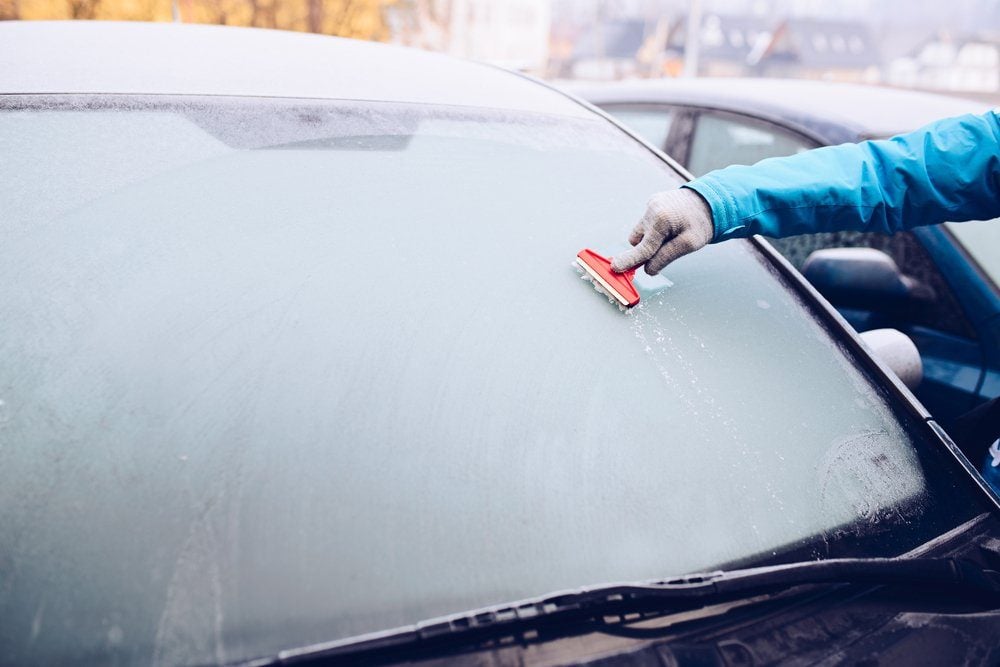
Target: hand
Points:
(676, 222)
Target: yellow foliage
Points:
(362, 19)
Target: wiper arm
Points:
(586, 605)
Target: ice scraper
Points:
(618, 285)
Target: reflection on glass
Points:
(721, 141)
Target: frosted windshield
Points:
(276, 373)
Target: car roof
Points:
(830, 111)
(169, 58)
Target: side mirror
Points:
(897, 351)
(863, 278)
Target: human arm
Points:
(949, 170)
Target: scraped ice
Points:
(600, 288)
(648, 283)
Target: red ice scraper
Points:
(618, 285)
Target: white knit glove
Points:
(676, 222)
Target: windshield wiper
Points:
(589, 605)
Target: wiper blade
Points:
(585, 605)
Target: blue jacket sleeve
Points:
(946, 171)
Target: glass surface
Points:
(279, 372)
(981, 239)
(943, 312)
(720, 141)
(653, 125)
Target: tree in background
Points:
(363, 19)
(9, 9)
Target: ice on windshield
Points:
(51, 166)
(255, 399)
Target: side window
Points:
(652, 124)
(981, 240)
(944, 313)
(720, 140)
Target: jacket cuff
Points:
(725, 218)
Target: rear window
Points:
(280, 372)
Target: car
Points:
(952, 309)
(297, 368)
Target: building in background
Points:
(509, 33)
(926, 44)
(729, 45)
(607, 50)
(963, 63)
(825, 49)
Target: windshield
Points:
(279, 372)
(981, 239)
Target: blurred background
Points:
(935, 45)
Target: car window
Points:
(942, 312)
(652, 124)
(981, 239)
(277, 372)
(720, 140)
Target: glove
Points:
(676, 222)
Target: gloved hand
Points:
(676, 222)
